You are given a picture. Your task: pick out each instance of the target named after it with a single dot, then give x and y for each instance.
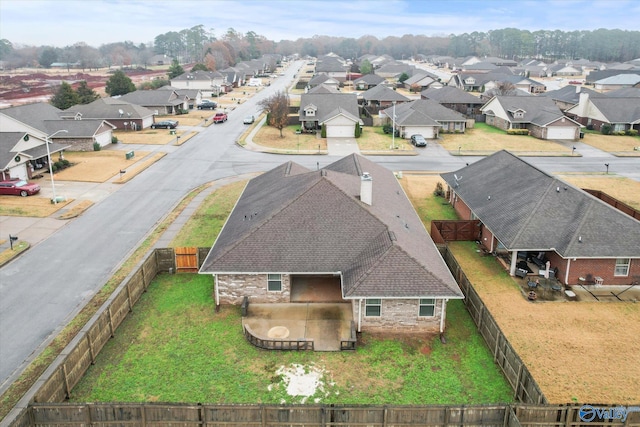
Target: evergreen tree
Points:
(366, 67)
(65, 97)
(175, 69)
(86, 95)
(119, 84)
(403, 77)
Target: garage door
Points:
(340, 131)
(561, 132)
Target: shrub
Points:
(114, 139)
(96, 146)
(66, 163)
(358, 130)
(605, 129)
(518, 132)
(439, 191)
(323, 133)
(619, 133)
(54, 168)
(632, 132)
(59, 164)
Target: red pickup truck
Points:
(219, 118)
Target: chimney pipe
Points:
(366, 188)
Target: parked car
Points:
(418, 140)
(219, 118)
(575, 82)
(165, 124)
(248, 120)
(18, 187)
(207, 104)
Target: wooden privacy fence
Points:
(160, 415)
(454, 230)
(621, 206)
(525, 387)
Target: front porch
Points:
(328, 325)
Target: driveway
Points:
(342, 146)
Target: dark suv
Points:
(165, 124)
(207, 104)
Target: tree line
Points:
(200, 45)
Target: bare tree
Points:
(277, 108)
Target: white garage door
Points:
(561, 132)
(340, 131)
(427, 131)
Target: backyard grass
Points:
(420, 190)
(175, 348)
(484, 140)
(624, 189)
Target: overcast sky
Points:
(65, 22)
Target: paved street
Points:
(45, 287)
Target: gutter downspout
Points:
(443, 315)
(566, 274)
(215, 287)
(359, 315)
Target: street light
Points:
(54, 200)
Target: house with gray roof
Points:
(323, 79)
(163, 101)
(425, 117)
(191, 96)
(368, 81)
(540, 115)
(524, 209)
(348, 227)
(338, 113)
(568, 96)
(618, 82)
(118, 112)
(421, 81)
(211, 83)
(381, 96)
(455, 99)
(622, 114)
(24, 155)
(393, 70)
(332, 66)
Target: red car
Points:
(18, 187)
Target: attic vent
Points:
(323, 172)
(392, 236)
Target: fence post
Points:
(91, 353)
(517, 385)
(129, 294)
(111, 330)
(67, 391)
(495, 350)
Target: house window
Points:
(622, 267)
(373, 307)
(274, 282)
(619, 127)
(427, 307)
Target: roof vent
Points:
(366, 188)
(392, 236)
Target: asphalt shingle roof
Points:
(294, 220)
(425, 112)
(528, 209)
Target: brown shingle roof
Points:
(294, 220)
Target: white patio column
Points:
(215, 287)
(514, 258)
(443, 315)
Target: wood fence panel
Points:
(61, 414)
(171, 415)
(21, 419)
(150, 269)
(425, 416)
(116, 414)
(53, 388)
(186, 260)
(119, 308)
(355, 416)
(456, 230)
(136, 287)
(99, 333)
(229, 415)
(77, 363)
(165, 259)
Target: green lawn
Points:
(175, 348)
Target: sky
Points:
(61, 23)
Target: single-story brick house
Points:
(524, 209)
(350, 224)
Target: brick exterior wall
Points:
(232, 288)
(603, 268)
(459, 206)
(399, 315)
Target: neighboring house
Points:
(118, 112)
(368, 81)
(337, 112)
(42, 119)
(161, 102)
(568, 96)
(421, 81)
(323, 79)
(425, 117)
(524, 209)
(594, 76)
(455, 99)
(618, 82)
(621, 114)
(332, 66)
(393, 70)
(475, 82)
(192, 96)
(523, 83)
(349, 225)
(540, 115)
(381, 97)
(210, 83)
(23, 155)
(479, 67)
(563, 70)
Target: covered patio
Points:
(327, 324)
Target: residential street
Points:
(45, 287)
